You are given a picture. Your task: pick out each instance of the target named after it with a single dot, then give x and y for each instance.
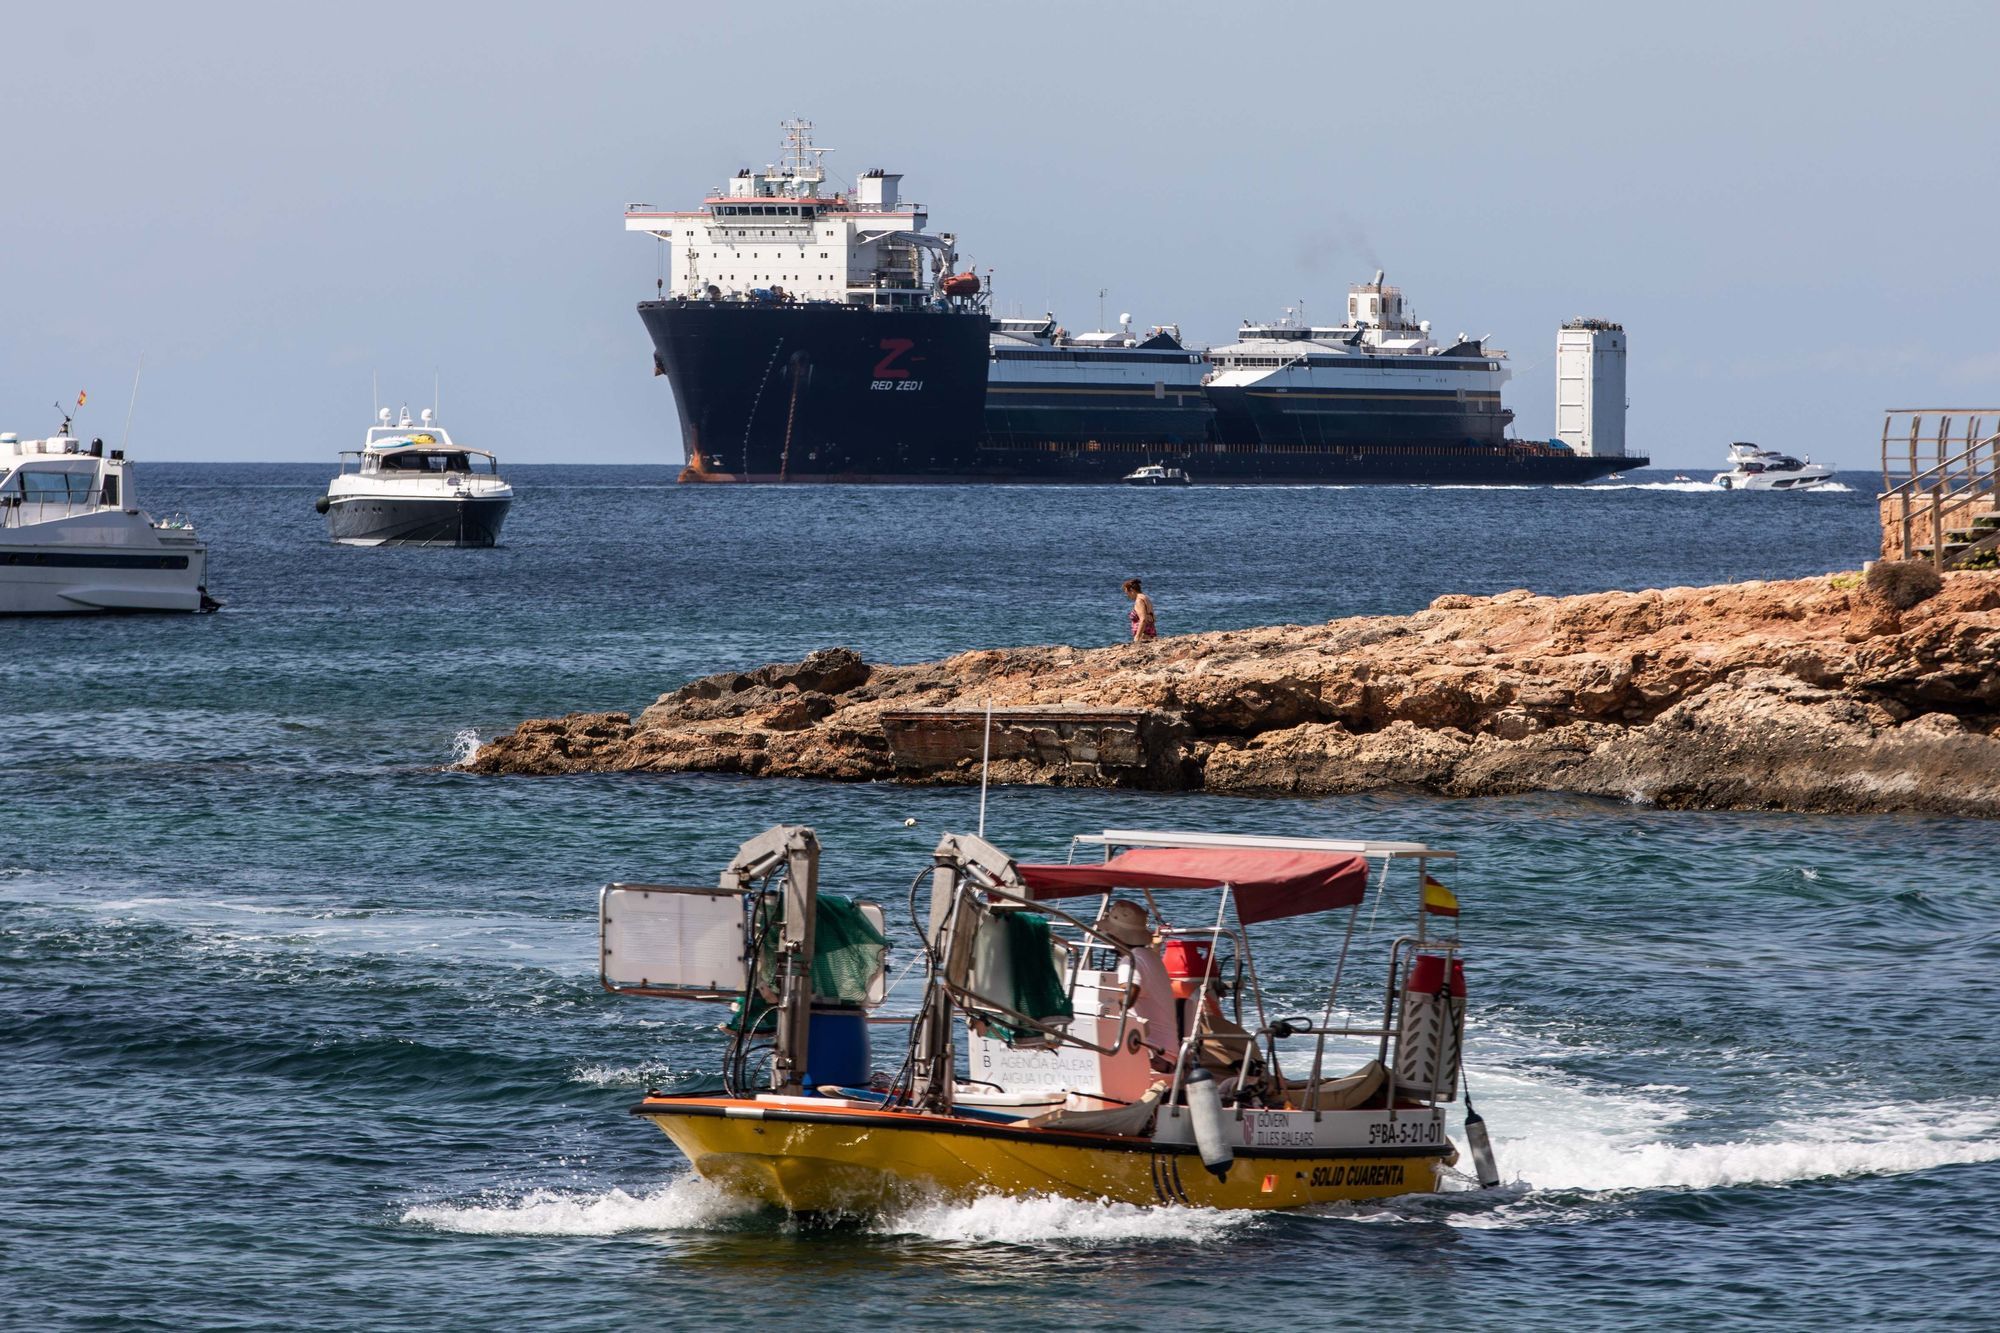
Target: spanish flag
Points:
(80, 396)
(1438, 899)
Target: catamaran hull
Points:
(856, 1162)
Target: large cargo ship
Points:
(816, 336)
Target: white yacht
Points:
(1157, 474)
(411, 485)
(73, 539)
(1754, 469)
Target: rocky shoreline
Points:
(1837, 694)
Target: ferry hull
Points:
(857, 1162)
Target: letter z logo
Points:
(893, 349)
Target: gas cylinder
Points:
(1204, 1101)
(1432, 1026)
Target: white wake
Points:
(688, 1203)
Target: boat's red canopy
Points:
(1268, 883)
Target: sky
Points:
(1793, 209)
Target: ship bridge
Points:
(776, 235)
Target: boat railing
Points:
(1940, 481)
(16, 512)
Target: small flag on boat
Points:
(80, 396)
(1439, 899)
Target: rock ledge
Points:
(1812, 694)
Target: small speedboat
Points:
(1157, 474)
(73, 538)
(411, 486)
(1123, 1050)
(1754, 469)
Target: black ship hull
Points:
(829, 393)
(822, 392)
(1509, 464)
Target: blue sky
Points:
(1791, 208)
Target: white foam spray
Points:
(647, 1074)
(1048, 1220)
(464, 746)
(686, 1204)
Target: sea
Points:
(301, 1027)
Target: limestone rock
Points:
(1812, 694)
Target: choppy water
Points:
(298, 1027)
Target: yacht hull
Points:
(849, 1161)
(72, 579)
(370, 520)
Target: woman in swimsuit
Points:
(1142, 612)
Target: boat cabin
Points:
(411, 448)
(59, 477)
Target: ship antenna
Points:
(1102, 292)
(133, 405)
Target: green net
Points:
(1028, 981)
(847, 953)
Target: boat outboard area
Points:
(74, 540)
(1096, 1029)
(410, 485)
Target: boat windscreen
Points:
(1268, 883)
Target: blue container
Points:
(837, 1048)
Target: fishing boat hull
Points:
(846, 1159)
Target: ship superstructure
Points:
(816, 336)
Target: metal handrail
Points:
(1915, 441)
(1911, 485)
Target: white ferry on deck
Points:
(73, 538)
(1377, 380)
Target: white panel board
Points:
(655, 938)
(878, 985)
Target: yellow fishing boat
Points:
(1107, 1055)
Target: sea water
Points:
(300, 1026)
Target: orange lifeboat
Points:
(962, 284)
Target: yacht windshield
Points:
(427, 462)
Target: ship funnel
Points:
(1379, 275)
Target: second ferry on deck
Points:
(829, 337)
